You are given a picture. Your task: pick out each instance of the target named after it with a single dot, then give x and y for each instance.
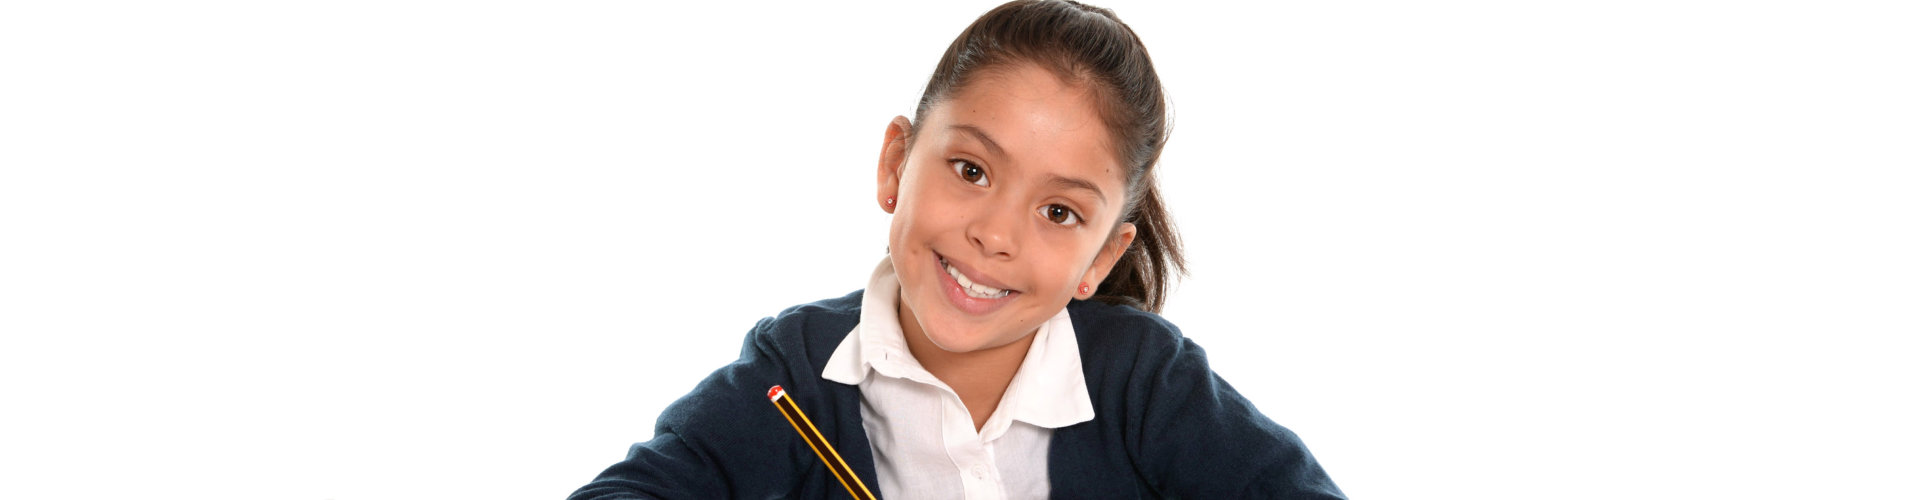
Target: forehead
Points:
(1042, 124)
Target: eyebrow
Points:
(1072, 183)
(994, 147)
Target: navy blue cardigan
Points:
(1164, 425)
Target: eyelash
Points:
(1071, 217)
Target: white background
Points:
(409, 249)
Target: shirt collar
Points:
(877, 341)
(1049, 390)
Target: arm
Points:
(721, 440)
(664, 467)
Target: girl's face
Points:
(1005, 205)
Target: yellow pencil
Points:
(819, 444)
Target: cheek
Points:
(896, 224)
(1052, 271)
(930, 211)
(912, 204)
(1072, 263)
(923, 217)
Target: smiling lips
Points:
(970, 288)
(975, 290)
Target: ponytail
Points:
(1145, 273)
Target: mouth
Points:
(972, 293)
(968, 285)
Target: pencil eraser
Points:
(774, 392)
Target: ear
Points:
(893, 157)
(1110, 253)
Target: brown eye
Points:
(970, 172)
(1060, 214)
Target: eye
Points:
(1060, 214)
(970, 172)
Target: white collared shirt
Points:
(924, 443)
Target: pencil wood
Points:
(818, 442)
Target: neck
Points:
(980, 377)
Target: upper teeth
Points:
(974, 290)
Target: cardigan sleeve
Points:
(1198, 438)
(721, 440)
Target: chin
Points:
(947, 340)
(952, 320)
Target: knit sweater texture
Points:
(1165, 426)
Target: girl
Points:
(1007, 345)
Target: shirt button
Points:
(979, 472)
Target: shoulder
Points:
(842, 308)
(1111, 332)
(812, 329)
(821, 314)
(1181, 429)
(1132, 357)
(784, 349)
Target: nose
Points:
(994, 232)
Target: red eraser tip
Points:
(775, 391)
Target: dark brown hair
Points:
(1087, 45)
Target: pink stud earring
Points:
(889, 202)
(1084, 288)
